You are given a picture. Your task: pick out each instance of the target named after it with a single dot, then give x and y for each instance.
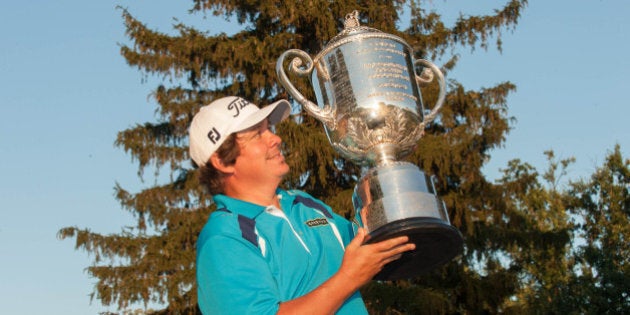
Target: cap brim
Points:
(276, 113)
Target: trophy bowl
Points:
(369, 101)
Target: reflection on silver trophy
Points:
(371, 108)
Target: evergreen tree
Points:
(572, 252)
(601, 285)
(539, 241)
(153, 261)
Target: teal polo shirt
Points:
(251, 258)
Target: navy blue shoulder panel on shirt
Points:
(247, 226)
(312, 204)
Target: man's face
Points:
(260, 160)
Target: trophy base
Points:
(436, 243)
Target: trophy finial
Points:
(352, 19)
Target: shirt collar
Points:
(245, 208)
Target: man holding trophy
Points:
(266, 250)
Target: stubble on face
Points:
(259, 145)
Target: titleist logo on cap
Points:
(236, 105)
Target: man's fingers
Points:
(395, 257)
(400, 249)
(390, 259)
(396, 252)
(392, 249)
(391, 243)
(358, 239)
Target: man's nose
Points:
(273, 139)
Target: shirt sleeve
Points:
(234, 278)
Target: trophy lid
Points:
(353, 31)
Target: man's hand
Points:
(362, 262)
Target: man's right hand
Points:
(362, 262)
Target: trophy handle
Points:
(302, 65)
(424, 78)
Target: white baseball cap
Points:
(217, 120)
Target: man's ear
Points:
(219, 165)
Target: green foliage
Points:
(521, 254)
(603, 205)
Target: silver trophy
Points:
(371, 108)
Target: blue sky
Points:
(65, 92)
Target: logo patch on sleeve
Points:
(316, 222)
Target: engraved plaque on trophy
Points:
(369, 102)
